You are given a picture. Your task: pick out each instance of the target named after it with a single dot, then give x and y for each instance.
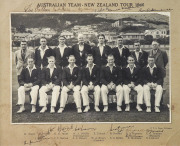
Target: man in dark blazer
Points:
(90, 81)
(140, 55)
(132, 80)
(80, 51)
(42, 53)
(29, 80)
(120, 53)
(111, 79)
(71, 81)
(101, 51)
(160, 56)
(51, 80)
(152, 79)
(62, 52)
(21, 57)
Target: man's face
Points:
(30, 62)
(137, 46)
(101, 39)
(130, 61)
(51, 61)
(155, 45)
(151, 62)
(110, 60)
(81, 39)
(90, 60)
(43, 42)
(61, 41)
(23, 45)
(71, 60)
(120, 41)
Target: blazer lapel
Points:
(157, 54)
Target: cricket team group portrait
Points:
(90, 68)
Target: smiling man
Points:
(111, 79)
(71, 81)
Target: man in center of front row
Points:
(51, 80)
(71, 81)
(111, 79)
(132, 81)
(90, 79)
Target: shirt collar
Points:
(154, 66)
(44, 49)
(53, 67)
(113, 65)
(100, 45)
(129, 66)
(62, 47)
(121, 47)
(88, 66)
(73, 67)
(82, 44)
(34, 67)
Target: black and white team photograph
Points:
(90, 67)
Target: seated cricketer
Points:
(153, 79)
(29, 80)
(51, 80)
(132, 81)
(111, 79)
(71, 81)
(90, 82)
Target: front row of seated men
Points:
(100, 80)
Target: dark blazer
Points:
(156, 77)
(25, 77)
(98, 59)
(55, 78)
(161, 60)
(62, 60)
(121, 60)
(106, 76)
(44, 61)
(81, 60)
(134, 77)
(142, 60)
(94, 77)
(75, 78)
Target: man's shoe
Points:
(127, 108)
(33, 110)
(119, 109)
(22, 109)
(60, 110)
(157, 109)
(79, 110)
(148, 110)
(105, 109)
(97, 109)
(139, 108)
(52, 110)
(43, 109)
(87, 108)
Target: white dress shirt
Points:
(42, 51)
(30, 70)
(131, 69)
(51, 69)
(151, 68)
(61, 49)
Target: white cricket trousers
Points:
(43, 101)
(33, 93)
(119, 94)
(76, 95)
(85, 97)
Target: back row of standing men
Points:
(101, 55)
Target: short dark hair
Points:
(24, 41)
(71, 56)
(150, 56)
(119, 37)
(136, 41)
(61, 36)
(110, 55)
(131, 57)
(101, 35)
(89, 55)
(43, 38)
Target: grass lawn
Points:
(70, 114)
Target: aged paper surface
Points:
(123, 133)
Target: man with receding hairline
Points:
(81, 50)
